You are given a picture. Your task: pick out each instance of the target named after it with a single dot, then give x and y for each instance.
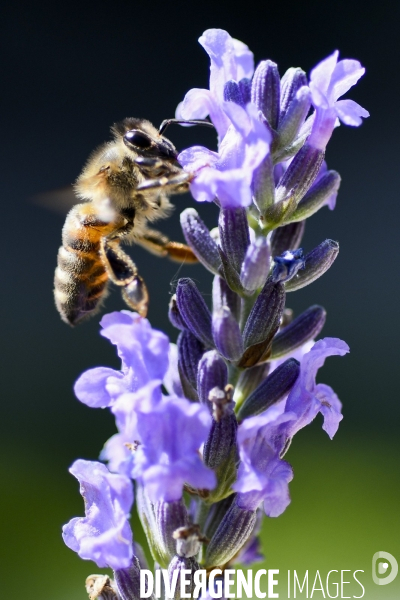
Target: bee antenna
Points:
(167, 122)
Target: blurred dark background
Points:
(68, 71)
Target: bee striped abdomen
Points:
(80, 281)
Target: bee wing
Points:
(60, 200)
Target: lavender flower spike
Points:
(308, 398)
(104, 535)
(329, 80)
(230, 59)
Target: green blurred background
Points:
(69, 71)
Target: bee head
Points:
(142, 137)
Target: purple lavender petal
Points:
(321, 75)
(104, 535)
(331, 408)
(127, 407)
(242, 150)
(117, 455)
(304, 400)
(350, 113)
(197, 157)
(345, 74)
(230, 59)
(328, 81)
(140, 347)
(91, 387)
(262, 475)
(165, 459)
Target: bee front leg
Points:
(156, 242)
(123, 272)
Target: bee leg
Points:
(179, 183)
(123, 272)
(156, 242)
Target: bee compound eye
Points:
(137, 138)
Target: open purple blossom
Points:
(307, 398)
(104, 534)
(329, 80)
(262, 475)
(167, 457)
(144, 356)
(228, 174)
(230, 60)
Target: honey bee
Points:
(125, 184)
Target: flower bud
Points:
(304, 328)
(275, 387)
(262, 323)
(221, 440)
(176, 574)
(300, 174)
(294, 118)
(174, 315)
(256, 264)
(265, 91)
(238, 92)
(264, 185)
(232, 533)
(287, 236)
(287, 265)
(317, 262)
(190, 351)
(249, 380)
(127, 581)
(234, 235)
(194, 311)
(323, 192)
(169, 517)
(291, 82)
(212, 372)
(199, 239)
(222, 295)
(227, 335)
(215, 515)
